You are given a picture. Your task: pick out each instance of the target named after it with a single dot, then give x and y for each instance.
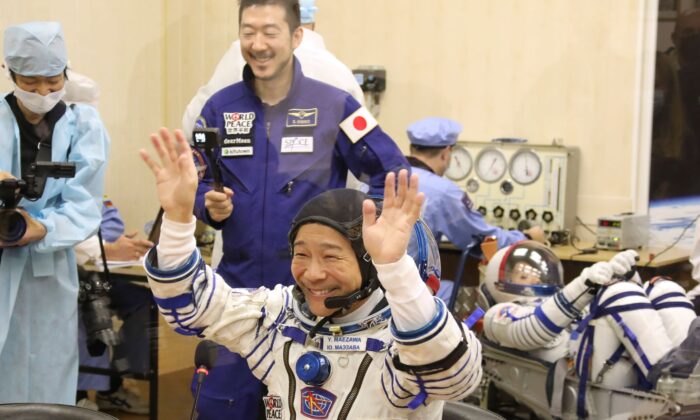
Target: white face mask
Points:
(39, 104)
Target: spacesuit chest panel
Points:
(353, 389)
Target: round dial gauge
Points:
(472, 185)
(460, 164)
(525, 166)
(491, 165)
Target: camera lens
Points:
(12, 225)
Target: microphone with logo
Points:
(204, 359)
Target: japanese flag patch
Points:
(358, 124)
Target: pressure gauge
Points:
(490, 164)
(472, 185)
(525, 166)
(460, 164)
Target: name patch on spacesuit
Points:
(302, 117)
(343, 343)
(316, 402)
(238, 122)
(297, 145)
(273, 407)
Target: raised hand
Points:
(176, 176)
(387, 237)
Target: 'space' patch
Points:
(297, 145)
(238, 122)
(316, 402)
(273, 407)
(302, 117)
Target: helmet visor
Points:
(530, 269)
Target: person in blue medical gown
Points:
(38, 272)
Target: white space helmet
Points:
(524, 269)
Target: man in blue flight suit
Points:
(448, 211)
(285, 139)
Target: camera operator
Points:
(38, 272)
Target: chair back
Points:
(34, 411)
(457, 410)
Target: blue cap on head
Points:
(308, 10)
(434, 132)
(35, 49)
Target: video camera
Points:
(12, 223)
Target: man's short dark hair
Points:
(291, 10)
(429, 151)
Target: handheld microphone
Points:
(204, 359)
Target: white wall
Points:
(539, 69)
(119, 44)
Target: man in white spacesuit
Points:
(358, 336)
(624, 330)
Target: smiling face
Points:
(324, 265)
(266, 41)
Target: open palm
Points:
(386, 238)
(176, 176)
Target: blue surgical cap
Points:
(35, 49)
(308, 10)
(434, 132)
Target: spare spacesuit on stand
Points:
(614, 330)
(359, 335)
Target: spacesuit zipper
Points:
(352, 395)
(292, 381)
(266, 115)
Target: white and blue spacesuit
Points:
(372, 362)
(614, 330)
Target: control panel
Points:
(623, 231)
(518, 184)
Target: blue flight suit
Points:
(276, 158)
(448, 211)
(39, 281)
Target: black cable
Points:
(578, 219)
(102, 254)
(674, 242)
